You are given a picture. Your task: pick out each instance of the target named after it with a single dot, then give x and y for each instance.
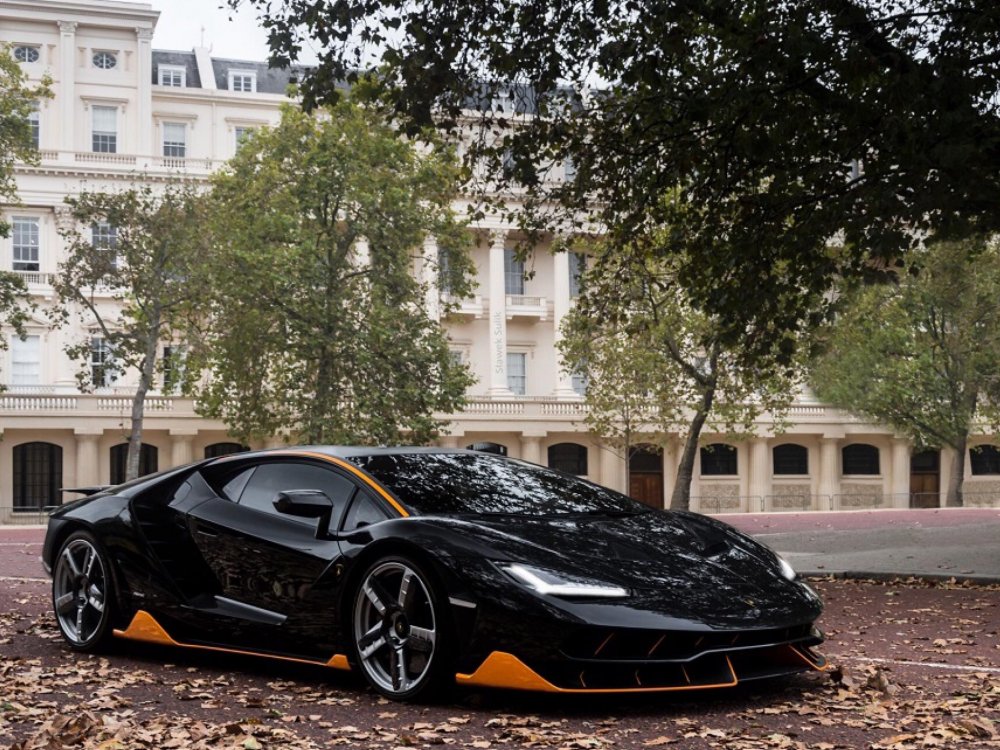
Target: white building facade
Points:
(123, 111)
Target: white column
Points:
(759, 475)
(67, 85)
(362, 253)
(829, 472)
(182, 447)
(432, 298)
(531, 448)
(669, 469)
(88, 462)
(144, 109)
(498, 319)
(612, 469)
(900, 473)
(561, 305)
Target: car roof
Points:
(348, 452)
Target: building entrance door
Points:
(925, 479)
(645, 482)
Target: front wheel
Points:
(398, 622)
(82, 592)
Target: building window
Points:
(34, 122)
(503, 101)
(241, 133)
(173, 368)
(568, 457)
(175, 139)
(790, 459)
(860, 458)
(224, 449)
(569, 169)
(242, 80)
(513, 271)
(497, 448)
(172, 75)
(579, 383)
(25, 236)
(148, 461)
(25, 360)
(37, 476)
(577, 266)
(104, 238)
(984, 459)
(105, 60)
(517, 377)
(102, 363)
(718, 460)
(105, 130)
(26, 54)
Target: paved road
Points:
(960, 542)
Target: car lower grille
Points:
(627, 645)
(707, 671)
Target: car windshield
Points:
(453, 483)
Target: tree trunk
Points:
(680, 499)
(146, 372)
(953, 499)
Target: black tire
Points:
(83, 593)
(391, 625)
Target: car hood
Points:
(680, 564)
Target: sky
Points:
(233, 34)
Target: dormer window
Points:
(26, 54)
(242, 80)
(105, 60)
(172, 75)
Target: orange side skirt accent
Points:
(503, 670)
(144, 627)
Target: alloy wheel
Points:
(79, 591)
(395, 628)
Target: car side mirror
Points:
(306, 504)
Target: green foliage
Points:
(317, 329)
(657, 365)
(17, 99)
(760, 109)
(136, 291)
(922, 354)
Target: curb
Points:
(859, 575)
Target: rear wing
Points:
(87, 491)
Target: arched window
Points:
(224, 449)
(500, 450)
(37, 475)
(860, 458)
(568, 457)
(984, 459)
(790, 459)
(718, 459)
(148, 461)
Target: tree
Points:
(790, 121)
(17, 100)
(923, 354)
(132, 278)
(317, 329)
(655, 364)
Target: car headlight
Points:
(560, 584)
(786, 569)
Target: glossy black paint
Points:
(214, 572)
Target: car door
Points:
(274, 572)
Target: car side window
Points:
(267, 480)
(234, 487)
(364, 511)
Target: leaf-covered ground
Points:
(917, 666)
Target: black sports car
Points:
(420, 567)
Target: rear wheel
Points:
(398, 620)
(82, 592)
